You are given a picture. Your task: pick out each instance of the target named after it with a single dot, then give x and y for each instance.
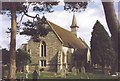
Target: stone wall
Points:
(53, 45)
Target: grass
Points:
(48, 75)
(78, 76)
(100, 76)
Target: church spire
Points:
(74, 27)
(74, 22)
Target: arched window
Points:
(43, 49)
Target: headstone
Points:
(74, 71)
(63, 73)
(82, 69)
(35, 75)
(26, 75)
(118, 74)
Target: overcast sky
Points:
(85, 20)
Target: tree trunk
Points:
(112, 21)
(12, 73)
(113, 25)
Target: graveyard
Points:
(49, 75)
(94, 74)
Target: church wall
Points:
(68, 57)
(33, 51)
(53, 45)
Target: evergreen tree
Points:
(102, 51)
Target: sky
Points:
(85, 20)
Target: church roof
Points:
(66, 37)
(74, 22)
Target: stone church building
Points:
(59, 49)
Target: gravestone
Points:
(35, 75)
(26, 75)
(82, 69)
(74, 71)
(63, 73)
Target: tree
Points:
(35, 28)
(13, 7)
(102, 51)
(112, 21)
(5, 57)
(22, 58)
(113, 25)
(5, 62)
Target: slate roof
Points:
(66, 37)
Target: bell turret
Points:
(74, 27)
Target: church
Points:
(59, 49)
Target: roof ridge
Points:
(60, 27)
